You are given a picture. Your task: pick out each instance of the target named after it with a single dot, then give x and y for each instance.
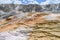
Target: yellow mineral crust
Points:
(37, 18)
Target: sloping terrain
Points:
(39, 25)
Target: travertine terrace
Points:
(44, 26)
(30, 19)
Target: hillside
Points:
(35, 26)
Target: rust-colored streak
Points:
(38, 18)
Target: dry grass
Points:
(42, 30)
(49, 30)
